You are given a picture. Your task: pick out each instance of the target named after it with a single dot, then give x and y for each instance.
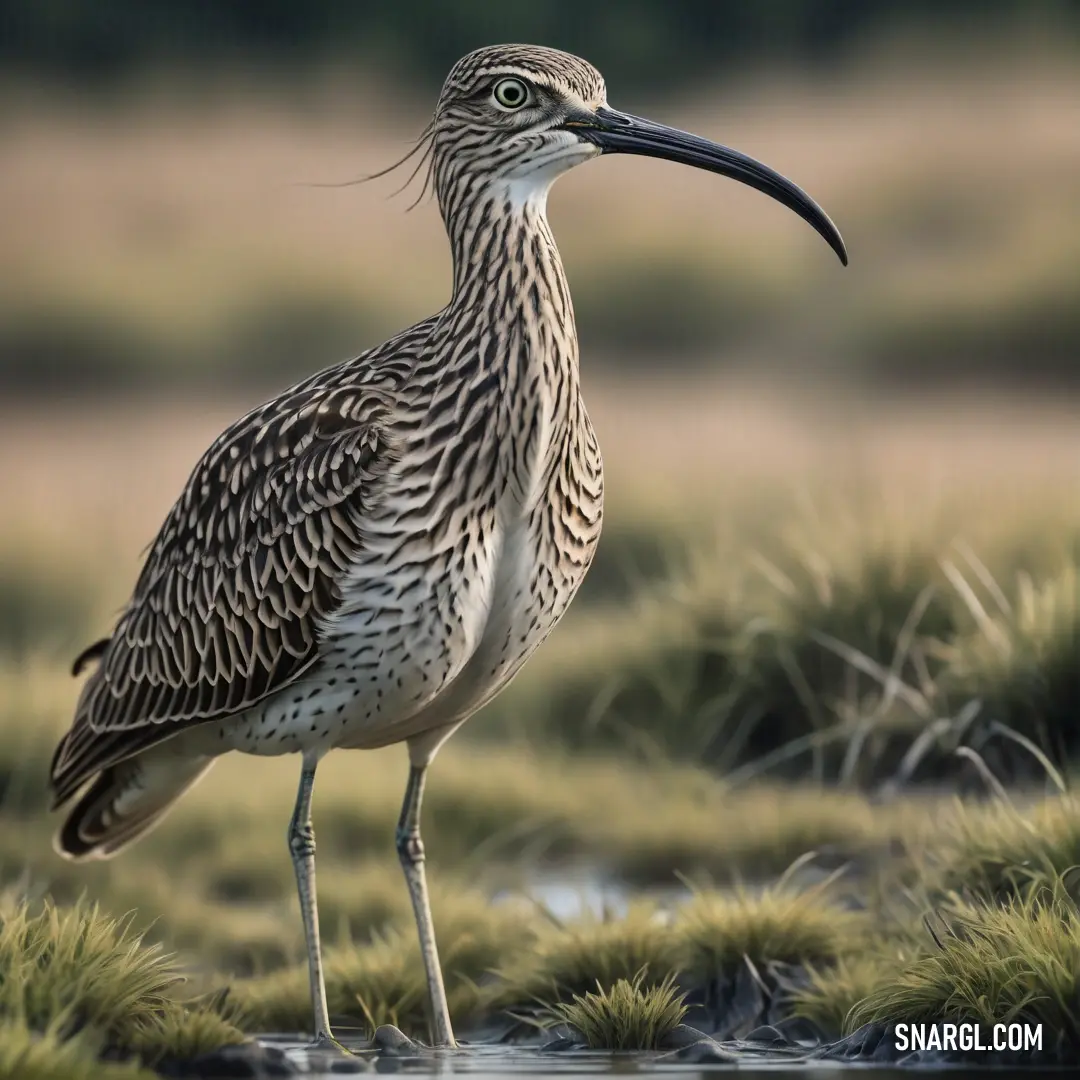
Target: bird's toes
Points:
(328, 1044)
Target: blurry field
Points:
(799, 612)
(155, 238)
(765, 566)
(831, 626)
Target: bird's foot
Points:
(326, 1042)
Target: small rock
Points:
(393, 1042)
(681, 1037)
(562, 1042)
(705, 1051)
(564, 1037)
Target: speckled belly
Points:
(432, 628)
(401, 661)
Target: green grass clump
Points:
(76, 974)
(833, 990)
(27, 1055)
(980, 860)
(378, 983)
(81, 969)
(570, 960)
(627, 1016)
(1018, 962)
(752, 652)
(719, 931)
(1021, 665)
(996, 850)
(383, 982)
(183, 1032)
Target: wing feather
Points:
(248, 560)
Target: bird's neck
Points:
(508, 272)
(512, 341)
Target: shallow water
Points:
(576, 892)
(500, 1060)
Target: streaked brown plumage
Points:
(370, 557)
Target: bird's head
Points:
(514, 117)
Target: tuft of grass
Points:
(978, 858)
(718, 931)
(1020, 665)
(566, 961)
(181, 1032)
(77, 968)
(27, 1055)
(832, 991)
(378, 983)
(75, 983)
(995, 850)
(780, 650)
(627, 1016)
(1017, 962)
(383, 982)
(390, 989)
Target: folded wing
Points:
(249, 559)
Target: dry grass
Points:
(833, 990)
(218, 882)
(853, 515)
(985, 929)
(382, 981)
(209, 252)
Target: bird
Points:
(371, 556)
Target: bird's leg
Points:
(411, 852)
(302, 849)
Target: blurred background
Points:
(843, 525)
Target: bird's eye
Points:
(510, 93)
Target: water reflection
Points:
(512, 1061)
(574, 893)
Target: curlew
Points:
(370, 557)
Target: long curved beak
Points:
(621, 133)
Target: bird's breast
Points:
(458, 584)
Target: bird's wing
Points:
(224, 612)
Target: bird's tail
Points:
(126, 801)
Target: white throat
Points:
(529, 192)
